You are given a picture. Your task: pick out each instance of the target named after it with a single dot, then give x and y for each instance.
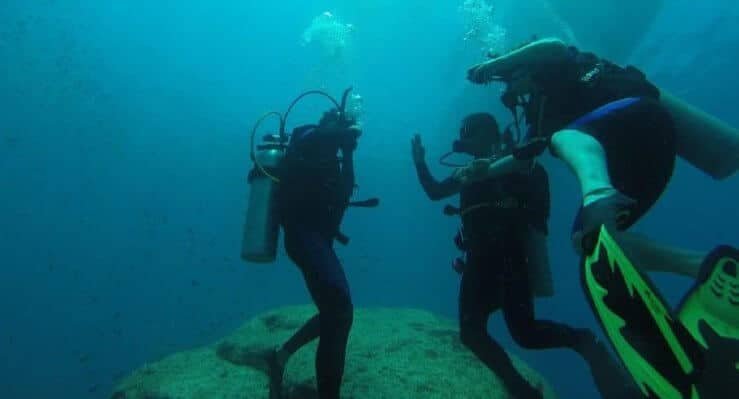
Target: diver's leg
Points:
(296, 243)
(329, 289)
(307, 333)
(652, 256)
(530, 333)
(586, 158)
(518, 306)
(277, 359)
(518, 310)
(647, 254)
(331, 295)
(540, 271)
(604, 205)
(475, 306)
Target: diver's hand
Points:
(477, 170)
(481, 73)
(531, 149)
(417, 149)
(355, 131)
(349, 143)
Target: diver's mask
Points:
(466, 146)
(334, 120)
(473, 145)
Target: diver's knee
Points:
(471, 335)
(522, 335)
(345, 318)
(339, 311)
(347, 314)
(468, 339)
(570, 143)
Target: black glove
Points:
(349, 139)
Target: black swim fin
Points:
(656, 349)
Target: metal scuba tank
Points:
(261, 229)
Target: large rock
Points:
(393, 353)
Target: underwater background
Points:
(124, 139)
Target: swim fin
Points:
(714, 298)
(710, 312)
(656, 348)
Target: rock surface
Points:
(392, 353)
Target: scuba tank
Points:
(261, 228)
(262, 225)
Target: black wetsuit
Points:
(498, 216)
(619, 108)
(314, 193)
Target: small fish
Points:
(84, 358)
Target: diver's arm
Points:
(507, 165)
(348, 143)
(436, 190)
(545, 50)
(536, 53)
(523, 158)
(347, 173)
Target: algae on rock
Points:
(392, 353)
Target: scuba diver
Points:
(503, 236)
(620, 135)
(301, 184)
(315, 192)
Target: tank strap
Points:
(508, 203)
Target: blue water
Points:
(124, 150)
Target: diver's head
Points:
(330, 117)
(479, 136)
(333, 118)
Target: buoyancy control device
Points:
(262, 226)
